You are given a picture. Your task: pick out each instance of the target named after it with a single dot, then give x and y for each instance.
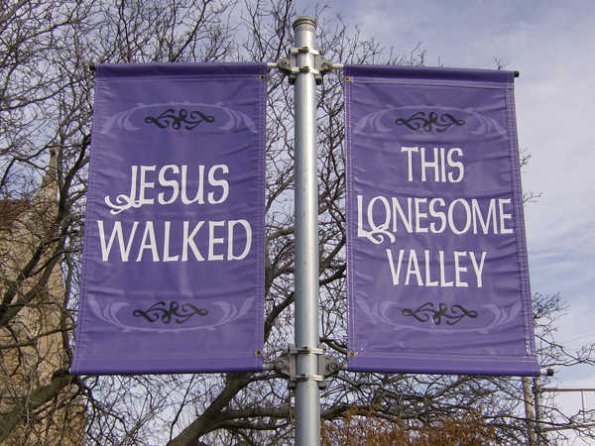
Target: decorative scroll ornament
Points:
(165, 313)
(177, 115)
(384, 312)
(176, 119)
(123, 203)
(430, 121)
(120, 314)
(452, 315)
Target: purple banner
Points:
(173, 249)
(437, 263)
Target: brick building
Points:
(39, 402)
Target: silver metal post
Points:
(529, 410)
(536, 399)
(307, 399)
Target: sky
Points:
(552, 44)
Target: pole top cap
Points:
(303, 20)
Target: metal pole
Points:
(307, 399)
(529, 410)
(538, 432)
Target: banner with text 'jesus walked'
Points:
(437, 263)
(173, 247)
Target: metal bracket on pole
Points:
(286, 364)
(290, 66)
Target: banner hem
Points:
(520, 367)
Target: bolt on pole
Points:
(307, 399)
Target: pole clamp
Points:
(290, 66)
(286, 365)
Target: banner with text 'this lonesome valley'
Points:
(173, 249)
(437, 263)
